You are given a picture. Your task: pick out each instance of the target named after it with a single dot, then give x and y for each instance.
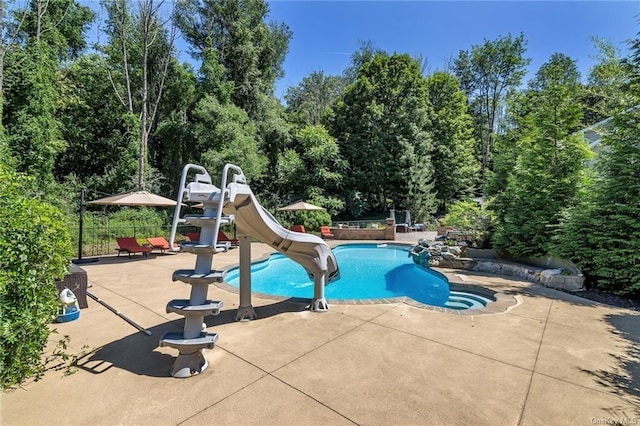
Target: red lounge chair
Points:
(130, 245)
(193, 236)
(222, 238)
(325, 232)
(159, 243)
(298, 228)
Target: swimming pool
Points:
(367, 271)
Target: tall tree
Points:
(95, 129)
(312, 170)
(549, 165)
(173, 142)
(50, 33)
(10, 28)
(487, 73)
(604, 94)
(141, 49)
(226, 134)
(250, 51)
(367, 49)
(598, 233)
(381, 127)
(309, 101)
(452, 131)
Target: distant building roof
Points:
(593, 134)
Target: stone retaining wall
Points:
(550, 272)
(387, 233)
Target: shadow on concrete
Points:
(624, 381)
(138, 352)
(227, 316)
(135, 353)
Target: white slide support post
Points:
(245, 309)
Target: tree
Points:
(96, 130)
(598, 234)
(250, 51)
(309, 101)
(313, 169)
(381, 128)
(244, 54)
(604, 94)
(9, 30)
(452, 131)
(225, 134)
(173, 142)
(49, 33)
(487, 73)
(139, 34)
(365, 53)
(549, 165)
(34, 132)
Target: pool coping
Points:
(501, 303)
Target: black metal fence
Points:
(99, 237)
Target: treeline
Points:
(127, 114)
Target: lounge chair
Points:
(222, 238)
(325, 232)
(298, 228)
(159, 243)
(130, 245)
(193, 236)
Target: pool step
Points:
(177, 341)
(459, 300)
(189, 276)
(182, 307)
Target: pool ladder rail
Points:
(194, 338)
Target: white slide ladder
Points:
(233, 201)
(194, 338)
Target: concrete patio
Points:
(547, 358)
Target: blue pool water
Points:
(367, 271)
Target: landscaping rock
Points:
(441, 255)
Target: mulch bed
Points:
(609, 299)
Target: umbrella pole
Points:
(80, 230)
(80, 223)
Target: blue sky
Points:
(326, 33)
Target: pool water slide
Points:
(308, 250)
(240, 205)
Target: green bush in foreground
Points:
(35, 249)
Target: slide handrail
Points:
(224, 191)
(181, 191)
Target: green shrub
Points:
(469, 217)
(313, 220)
(35, 249)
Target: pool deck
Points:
(548, 358)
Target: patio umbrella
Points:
(137, 198)
(407, 218)
(300, 205)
